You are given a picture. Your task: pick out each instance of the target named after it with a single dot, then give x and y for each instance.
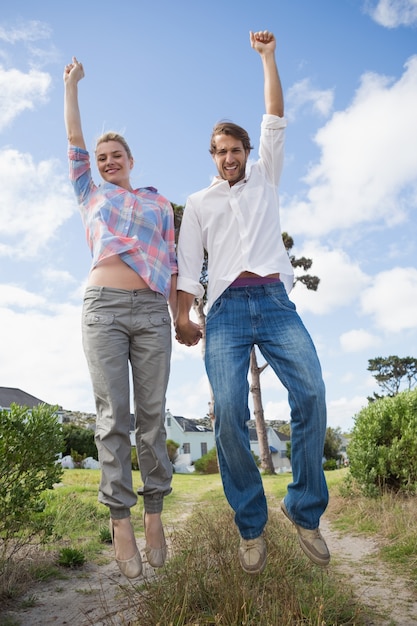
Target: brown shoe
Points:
(131, 568)
(311, 541)
(252, 555)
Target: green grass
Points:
(81, 519)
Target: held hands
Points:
(188, 333)
(262, 41)
(73, 71)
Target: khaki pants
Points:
(118, 327)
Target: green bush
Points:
(383, 449)
(71, 557)
(80, 440)
(172, 448)
(331, 464)
(30, 440)
(207, 464)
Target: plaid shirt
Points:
(137, 225)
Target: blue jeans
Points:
(263, 315)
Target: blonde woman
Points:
(126, 319)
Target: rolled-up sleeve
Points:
(271, 147)
(190, 253)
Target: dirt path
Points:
(99, 595)
(355, 560)
(95, 595)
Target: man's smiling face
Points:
(230, 158)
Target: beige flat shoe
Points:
(156, 556)
(131, 568)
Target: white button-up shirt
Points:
(239, 226)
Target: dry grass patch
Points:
(203, 583)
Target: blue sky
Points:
(163, 73)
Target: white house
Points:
(194, 440)
(277, 442)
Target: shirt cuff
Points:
(273, 121)
(190, 286)
(77, 154)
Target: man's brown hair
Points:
(228, 128)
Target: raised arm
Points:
(73, 73)
(264, 42)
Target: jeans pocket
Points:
(282, 301)
(216, 308)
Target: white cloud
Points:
(20, 91)
(303, 93)
(392, 300)
(393, 13)
(32, 30)
(269, 380)
(277, 411)
(187, 398)
(340, 412)
(341, 280)
(367, 171)
(46, 356)
(14, 296)
(36, 200)
(51, 275)
(357, 340)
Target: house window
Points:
(186, 448)
(168, 422)
(203, 448)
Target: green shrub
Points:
(105, 534)
(331, 464)
(207, 464)
(30, 440)
(383, 449)
(172, 447)
(80, 440)
(71, 557)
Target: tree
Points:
(311, 282)
(391, 372)
(79, 440)
(333, 443)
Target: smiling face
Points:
(114, 163)
(230, 158)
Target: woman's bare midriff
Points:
(113, 272)
(252, 275)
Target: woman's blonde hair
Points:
(112, 136)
